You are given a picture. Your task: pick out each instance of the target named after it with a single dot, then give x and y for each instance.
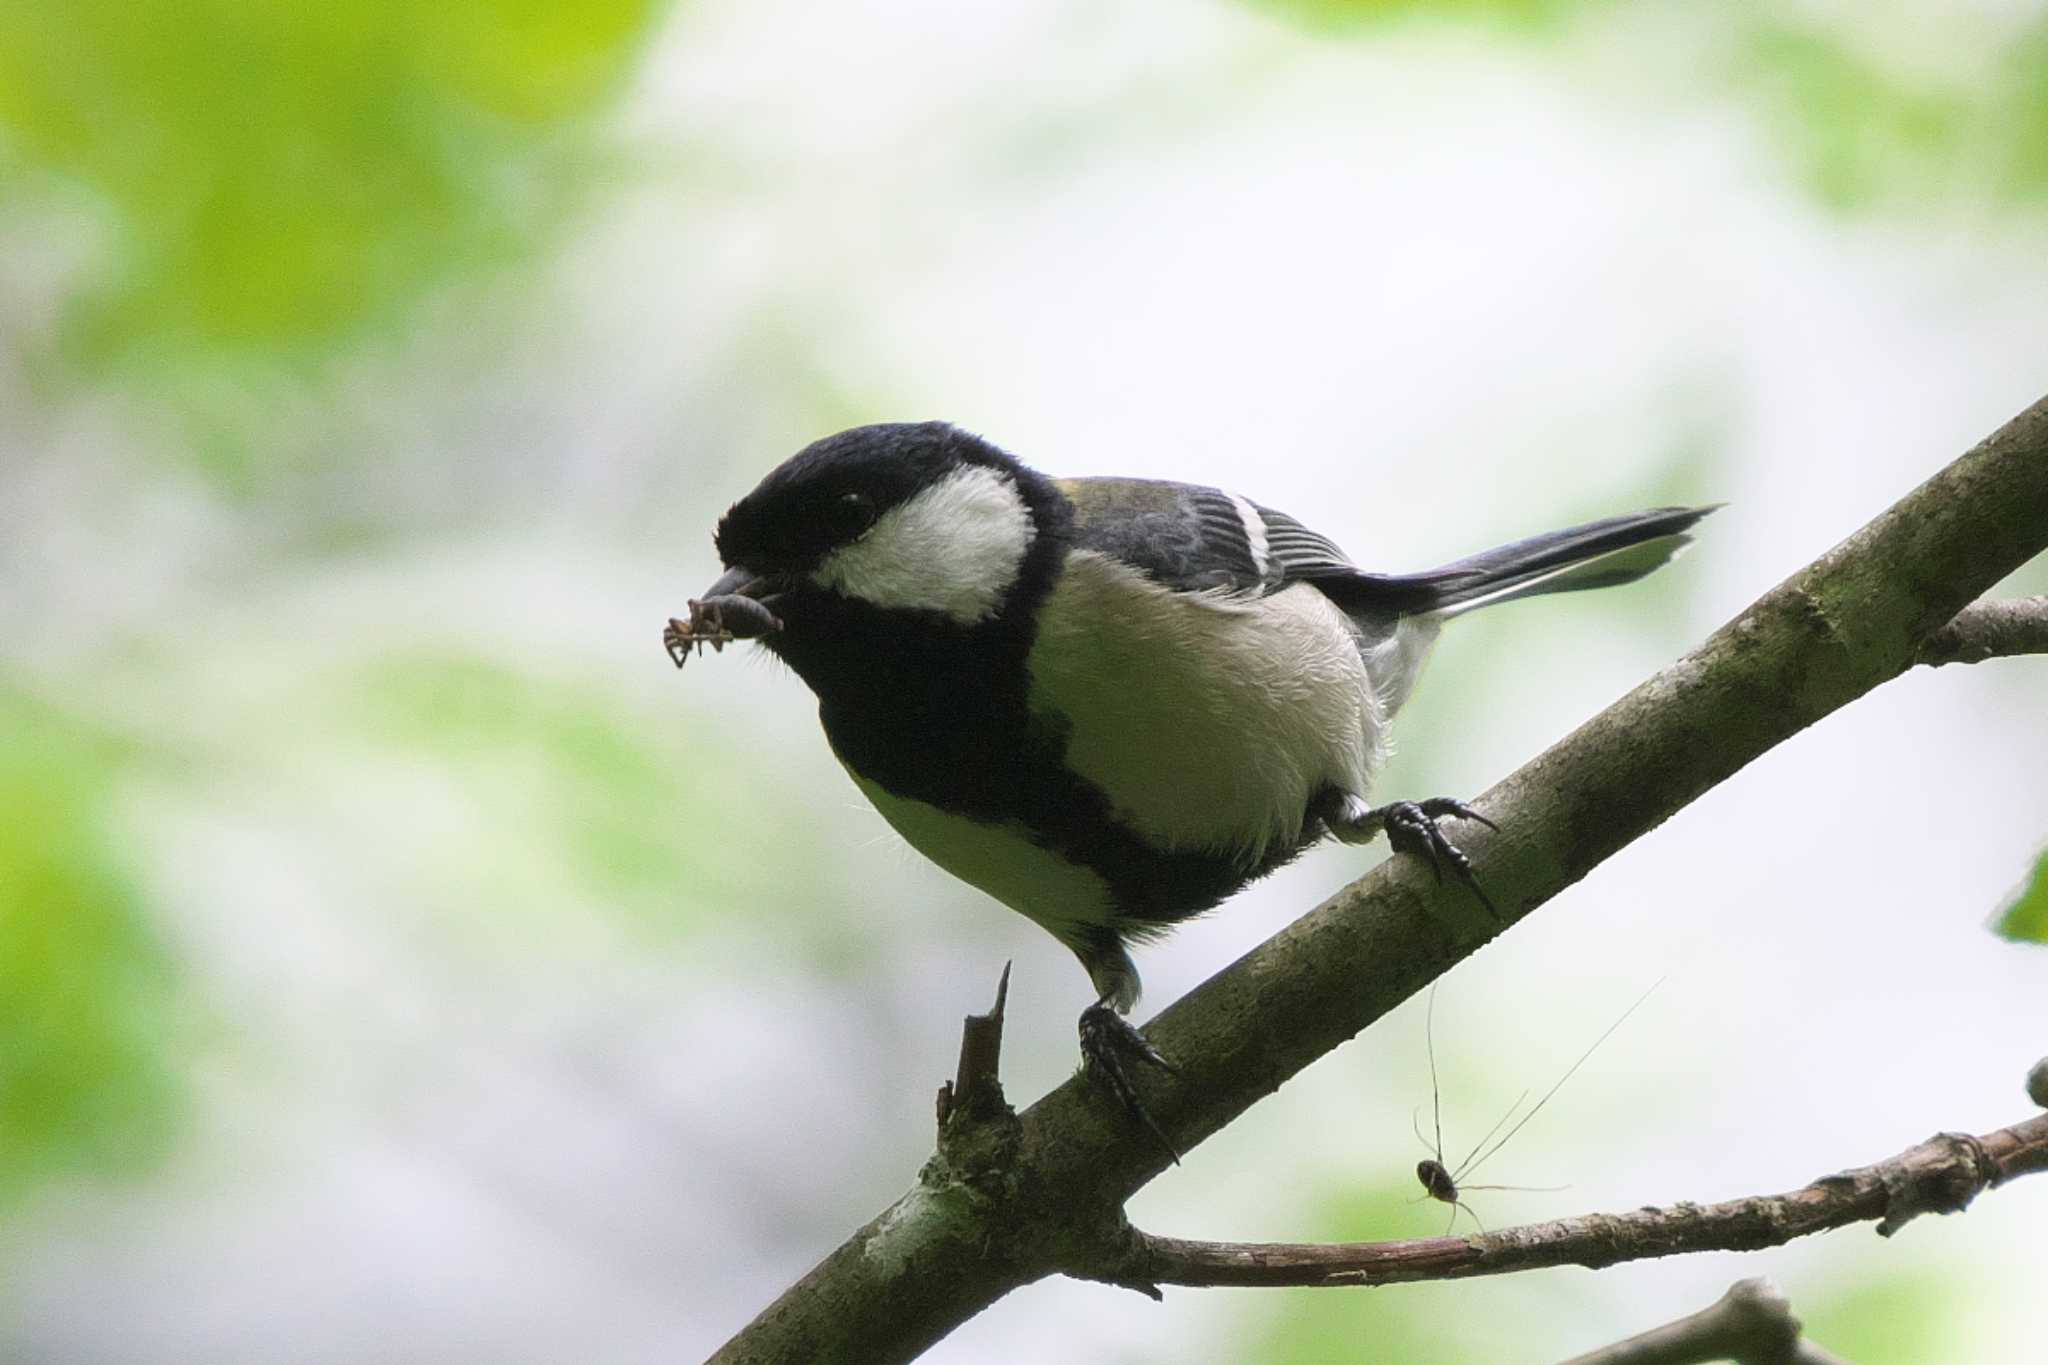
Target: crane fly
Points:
(1446, 1185)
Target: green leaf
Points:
(2026, 919)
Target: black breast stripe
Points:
(937, 713)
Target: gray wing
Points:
(1297, 553)
(1193, 538)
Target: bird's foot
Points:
(1111, 1049)
(1411, 828)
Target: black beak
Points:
(736, 607)
(736, 583)
(741, 601)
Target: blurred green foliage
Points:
(1892, 1317)
(1343, 14)
(85, 990)
(1855, 127)
(1868, 133)
(571, 800)
(1862, 128)
(2026, 919)
(278, 176)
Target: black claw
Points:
(1411, 828)
(1439, 806)
(1110, 1047)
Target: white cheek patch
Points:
(955, 547)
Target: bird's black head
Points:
(831, 492)
(901, 517)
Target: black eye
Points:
(852, 514)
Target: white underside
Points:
(1210, 720)
(1000, 860)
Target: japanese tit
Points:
(1108, 703)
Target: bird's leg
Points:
(1411, 828)
(1111, 1048)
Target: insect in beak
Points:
(731, 609)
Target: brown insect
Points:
(1446, 1185)
(716, 621)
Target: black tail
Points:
(1599, 554)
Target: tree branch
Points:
(1940, 1175)
(1855, 618)
(1750, 1324)
(1990, 630)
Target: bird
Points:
(1108, 703)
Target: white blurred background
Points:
(403, 962)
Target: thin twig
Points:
(1940, 1175)
(1990, 630)
(1751, 1324)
